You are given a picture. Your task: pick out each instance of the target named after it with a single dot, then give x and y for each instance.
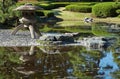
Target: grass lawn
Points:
(74, 18)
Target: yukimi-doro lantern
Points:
(28, 19)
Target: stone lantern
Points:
(28, 19)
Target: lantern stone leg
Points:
(32, 31)
(37, 31)
(17, 29)
(31, 52)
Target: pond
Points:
(66, 61)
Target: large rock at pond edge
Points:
(62, 38)
(67, 39)
(48, 38)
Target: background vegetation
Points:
(8, 17)
(105, 9)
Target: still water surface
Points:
(58, 62)
(64, 62)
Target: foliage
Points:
(50, 6)
(118, 16)
(40, 13)
(7, 15)
(118, 12)
(116, 0)
(105, 9)
(50, 14)
(77, 8)
(82, 64)
(5, 56)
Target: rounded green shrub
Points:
(105, 9)
(40, 13)
(118, 11)
(118, 16)
(50, 14)
(77, 8)
(50, 6)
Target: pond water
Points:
(65, 62)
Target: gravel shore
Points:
(22, 38)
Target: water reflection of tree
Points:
(7, 60)
(85, 63)
(116, 54)
(50, 62)
(35, 64)
(53, 62)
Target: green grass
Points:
(73, 16)
(72, 23)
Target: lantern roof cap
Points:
(28, 7)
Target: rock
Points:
(62, 38)
(73, 34)
(48, 38)
(88, 20)
(67, 39)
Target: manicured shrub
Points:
(50, 14)
(118, 11)
(118, 16)
(51, 6)
(77, 8)
(105, 9)
(56, 5)
(40, 13)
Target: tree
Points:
(6, 13)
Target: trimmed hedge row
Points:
(105, 9)
(77, 8)
(47, 6)
(45, 13)
(118, 12)
(51, 6)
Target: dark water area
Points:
(66, 62)
(59, 62)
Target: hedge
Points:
(40, 13)
(46, 5)
(105, 9)
(77, 8)
(46, 13)
(118, 11)
(51, 6)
